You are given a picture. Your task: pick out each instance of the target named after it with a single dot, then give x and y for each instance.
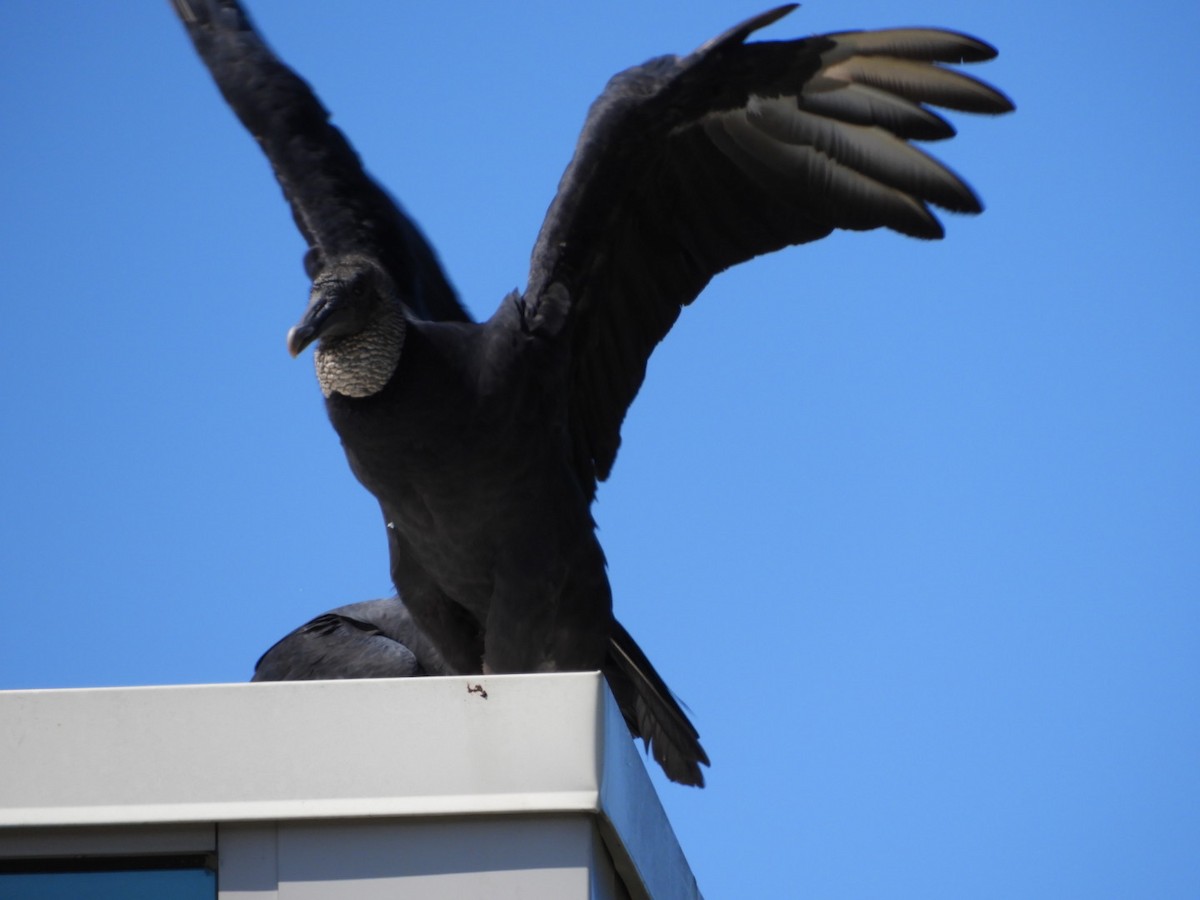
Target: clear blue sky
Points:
(913, 528)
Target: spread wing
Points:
(336, 204)
(687, 166)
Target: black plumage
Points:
(484, 442)
(372, 639)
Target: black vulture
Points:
(371, 639)
(484, 442)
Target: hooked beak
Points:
(300, 336)
(336, 308)
(315, 322)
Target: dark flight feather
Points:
(337, 206)
(687, 166)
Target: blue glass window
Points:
(107, 879)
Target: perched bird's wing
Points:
(337, 206)
(372, 639)
(688, 166)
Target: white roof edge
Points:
(356, 808)
(481, 745)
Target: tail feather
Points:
(651, 710)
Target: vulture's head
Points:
(355, 315)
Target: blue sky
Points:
(913, 528)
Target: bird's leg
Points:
(555, 621)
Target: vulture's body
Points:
(483, 443)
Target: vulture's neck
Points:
(360, 365)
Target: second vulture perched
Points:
(371, 639)
(484, 442)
